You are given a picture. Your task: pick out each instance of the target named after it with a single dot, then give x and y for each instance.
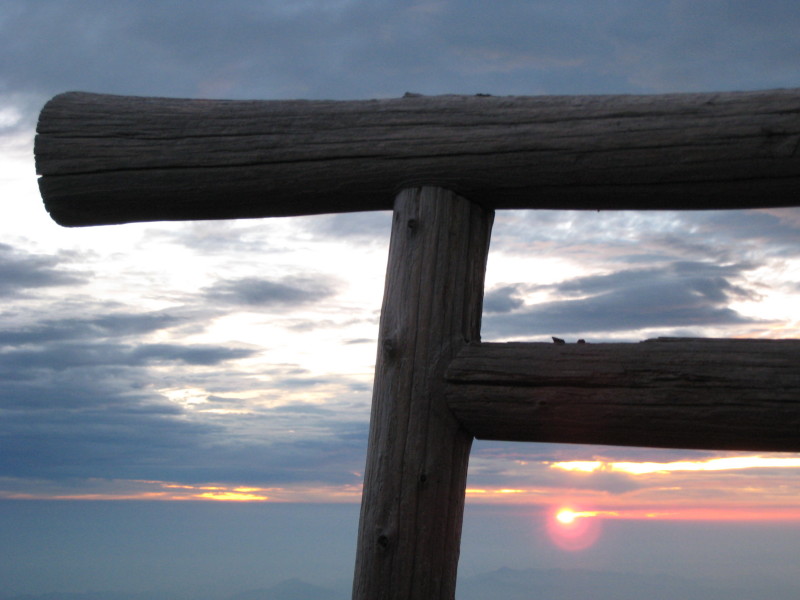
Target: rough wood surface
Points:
(113, 159)
(672, 393)
(413, 500)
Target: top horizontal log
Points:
(115, 159)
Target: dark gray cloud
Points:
(205, 355)
(502, 300)
(142, 437)
(67, 355)
(222, 237)
(753, 234)
(108, 440)
(236, 50)
(682, 294)
(21, 272)
(366, 49)
(86, 418)
(646, 237)
(364, 227)
(705, 279)
(303, 409)
(79, 400)
(81, 417)
(75, 399)
(331, 461)
(306, 325)
(294, 443)
(361, 341)
(265, 293)
(688, 268)
(117, 325)
(708, 45)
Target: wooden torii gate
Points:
(444, 164)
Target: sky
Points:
(232, 361)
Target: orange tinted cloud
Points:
(171, 491)
(711, 464)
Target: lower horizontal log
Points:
(670, 393)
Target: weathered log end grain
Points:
(116, 159)
(671, 392)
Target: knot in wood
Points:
(389, 347)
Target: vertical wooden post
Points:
(414, 483)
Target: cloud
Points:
(373, 228)
(256, 292)
(209, 51)
(114, 325)
(205, 355)
(682, 294)
(635, 237)
(88, 409)
(104, 397)
(21, 272)
(104, 440)
(60, 356)
(710, 45)
(223, 237)
(529, 466)
(705, 279)
(93, 419)
(502, 300)
(367, 49)
(94, 389)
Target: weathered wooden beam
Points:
(671, 393)
(417, 458)
(114, 159)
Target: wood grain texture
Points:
(414, 483)
(114, 159)
(670, 393)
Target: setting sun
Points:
(566, 516)
(573, 530)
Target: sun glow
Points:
(573, 530)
